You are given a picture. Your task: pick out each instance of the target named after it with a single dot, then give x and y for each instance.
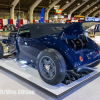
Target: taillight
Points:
(81, 59)
(99, 51)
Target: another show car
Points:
(55, 49)
(8, 27)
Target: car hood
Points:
(78, 28)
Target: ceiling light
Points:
(65, 13)
(96, 7)
(50, 1)
(78, 4)
(67, 1)
(88, 5)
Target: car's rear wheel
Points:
(51, 66)
(1, 51)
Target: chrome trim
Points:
(82, 43)
(74, 44)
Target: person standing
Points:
(92, 30)
(18, 24)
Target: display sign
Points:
(97, 19)
(81, 18)
(90, 18)
(56, 7)
(59, 11)
(78, 16)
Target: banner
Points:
(42, 16)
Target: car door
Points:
(24, 44)
(29, 48)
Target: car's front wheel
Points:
(51, 66)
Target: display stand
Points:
(31, 75)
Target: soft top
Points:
(38, 30)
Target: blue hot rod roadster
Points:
(55, 49)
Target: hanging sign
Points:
(59, 11)
(56, 7)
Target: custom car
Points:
(54, 48)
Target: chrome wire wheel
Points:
(47, 67)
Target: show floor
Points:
(90, 90)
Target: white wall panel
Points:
(24, 21)
(5, 21)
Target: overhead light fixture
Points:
(88, 5)
(96, 7)
(50, 1)
(67, 1)
(65, 13)
(78, 4)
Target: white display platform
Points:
(31, 74)
(96, 39)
